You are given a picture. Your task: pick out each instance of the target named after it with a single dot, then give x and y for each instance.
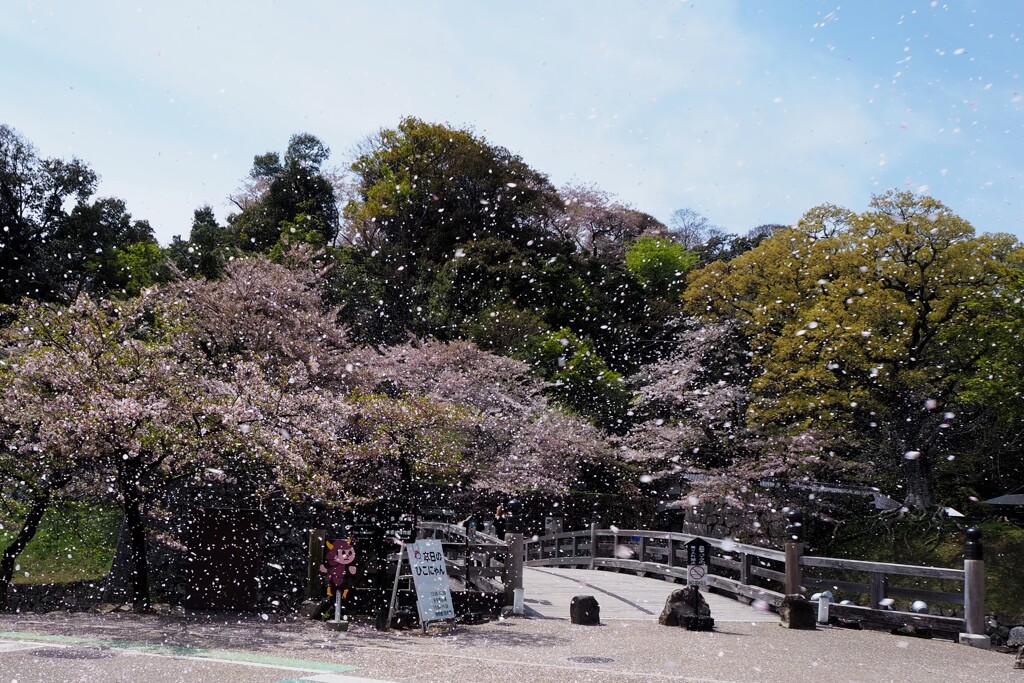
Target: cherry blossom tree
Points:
(123, 399)
(518, 442)
(599, 226)
(109, 393)
(267, 313)
(691, 404)
(693, 433)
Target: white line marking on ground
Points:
(15, 646)
(341, 678)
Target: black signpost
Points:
(698, 551)
(378, 533)
(698, 554)
(470, 544)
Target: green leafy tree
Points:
(427, 188)
(54, 243)
(660, 265)
(580, 379)
(208, 248)
(281, 189)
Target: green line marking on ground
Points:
(183, 651)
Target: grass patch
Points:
(75, 541)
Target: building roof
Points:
(1008, 499)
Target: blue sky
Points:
(749, 112)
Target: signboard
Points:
(401, 529)
(698, 556)
(433, 595)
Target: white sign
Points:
(433, 595)
(697, 575)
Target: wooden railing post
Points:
(314, 577)
(671, 551)
(877, 586)
(794, 548)
(593, 543)
(974, 583)
(642, 548)
(745, 562)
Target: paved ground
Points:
(548, 592)
(243, 649)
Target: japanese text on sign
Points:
(433, 596)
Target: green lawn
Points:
(75, 541)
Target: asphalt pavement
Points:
(747, 646)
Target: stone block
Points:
(976, 640)
(698, 623)
(584, 610)
(912, 631)
(797, 612)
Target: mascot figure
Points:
(341, 557)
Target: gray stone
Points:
(1019, 664)
(584, 610)
(313, 609)
(797, 612)
(679, 610)
(911, 631)
(1016, 637)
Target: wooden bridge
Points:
(747, 573)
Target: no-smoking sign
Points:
(698, 552)
(697, 575)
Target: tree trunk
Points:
(11, 553)
(137, 545)
(919, 490)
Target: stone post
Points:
(513, 574)
(514, 570)
(794, 548)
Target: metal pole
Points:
(974, 583)
(394, 589)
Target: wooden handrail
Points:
(749, 561)
(883, 568)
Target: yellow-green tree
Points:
(871, 324)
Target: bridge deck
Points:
(549, 590)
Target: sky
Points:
(747, 112)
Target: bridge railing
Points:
(485, 559)
(751, 573)
(744, 570)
